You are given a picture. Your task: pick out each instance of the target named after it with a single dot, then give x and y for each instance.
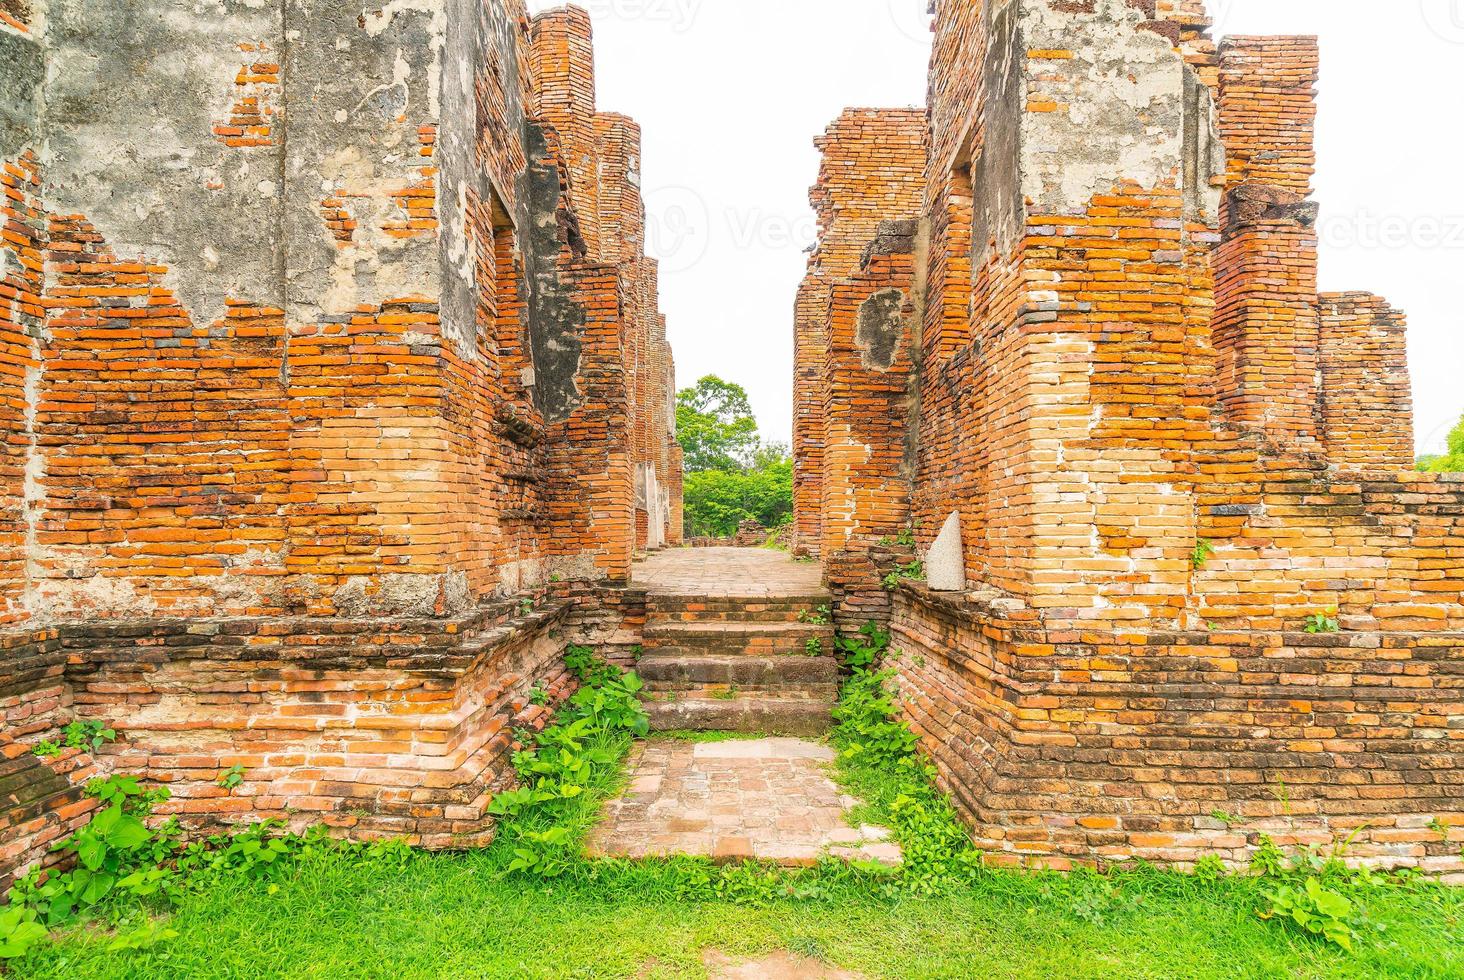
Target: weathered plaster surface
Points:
(133, 92)
(878, 330)
(1120, 102)
(21, 79)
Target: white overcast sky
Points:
(731, 93)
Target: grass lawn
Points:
(456, 917)
(334, 911)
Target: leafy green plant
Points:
(109, 850)
(559, 765)
(1324, 622)
(539, 695)
(914, 571)
(1204, 550)
(232, 777)
(48, 749)
(869, 724)
(1315, 909)
(813, 647)
(525, 606)
(1210, 868)
(864, 649)
(906, 537)
(19, 931)
(821, 616)
(88, 734)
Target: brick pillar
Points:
(562, 59)
(871, 173)
(866, 482)
(1367, 397)
(1266, 333)
(810, 349)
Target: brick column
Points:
(1367, 397)
(1266, 334)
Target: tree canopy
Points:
(1453, 460)
(731, 474)
(715, 426)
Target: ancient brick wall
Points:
(870, 173)
(1166, 451)
(1066, 748)
(1366, 392)
(601, 156)
(283, 457)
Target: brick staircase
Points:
(740, 664)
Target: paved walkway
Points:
(769, 799)
(728, 572)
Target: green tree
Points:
(1450, 462)
(731, 474)
(715, 426)
(718, 502)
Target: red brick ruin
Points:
(338, 405)
(329, 516)
(1064, 325)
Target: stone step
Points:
(771, 716)
(668, 673)
(733, 639)
(701, 609)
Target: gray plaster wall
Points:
(22, 71)
(135, 88)
(359, 82)
(998, 212)
(123, 96)
(1133, 110)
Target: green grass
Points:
(455, 916)
(690, 736)
(333, 914)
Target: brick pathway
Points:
(769, 799)
(728, 572)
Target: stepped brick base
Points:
(398, 728)
(1103, 747)
(734, 641)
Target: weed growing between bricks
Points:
(162, 899)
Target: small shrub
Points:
(1204, 550)
(232, 777)
(914, 572)
(814, 647)
(864, 649)
(1210, 868)
(88, 734)
(1315, 909)
(821, 616)
(1324, 622)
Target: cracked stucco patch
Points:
(1119, 101)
